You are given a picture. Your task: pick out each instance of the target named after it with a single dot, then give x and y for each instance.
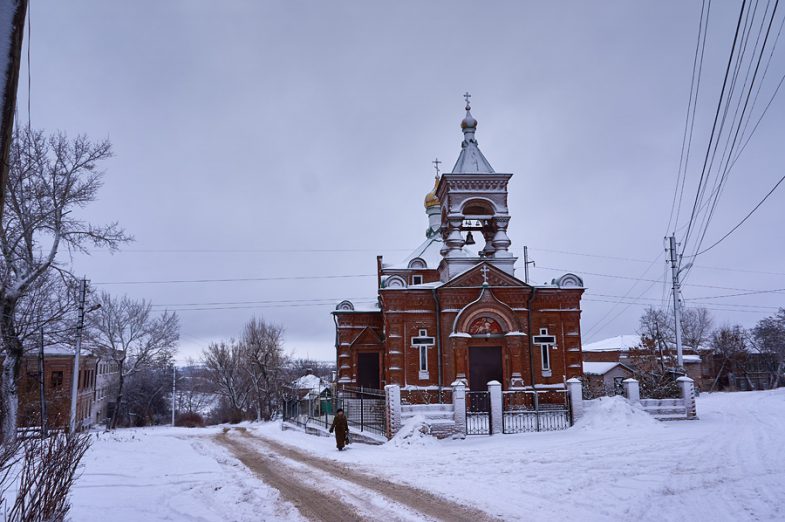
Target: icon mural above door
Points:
(485, 326)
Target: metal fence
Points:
(364, 408)
(530, 410)
(426, 395)
(478, 413)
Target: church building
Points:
(454, 308)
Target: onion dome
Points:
(468, 122)
(470, 160)
(430, 198)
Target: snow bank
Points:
(415, 432)
(615, 413)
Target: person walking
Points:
(341, 427)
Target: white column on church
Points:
(501, 242)
(454, 239)
(497, 416)
(459, 408)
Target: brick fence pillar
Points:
(632, 390)
(497, 421)
(459, 408)
(575, 390)
(687, 386)
(392, 395)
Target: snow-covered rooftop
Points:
(619, 343)
(59, 350)
(309, 382)
(599, 368)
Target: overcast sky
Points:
(260, 139)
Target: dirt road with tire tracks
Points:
(329, 491)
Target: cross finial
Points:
(484, 271)
(467, 96)
(436, 163)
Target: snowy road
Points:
(616, 464)
(329, 491)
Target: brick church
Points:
(454, 308)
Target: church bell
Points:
(469, 238)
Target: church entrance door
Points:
(368, 370)
(485, 364)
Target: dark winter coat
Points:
(341, 428)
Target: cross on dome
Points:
(466, 96)
(436, 163)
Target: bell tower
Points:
(473, 201)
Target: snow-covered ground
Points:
(617, 463)
(173, 474)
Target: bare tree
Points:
(696, 324)
(50, 178)
(127, 332)
(769, 337)
(727, 343)
(195, 390)
(659, 326)
(224, 361)
(655, 330)
(264, 362)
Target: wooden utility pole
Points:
(12, 29)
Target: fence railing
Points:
(364, 409)
(413, 396)
(530, 410)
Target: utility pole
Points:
(676, 300)
(526, 264)
(174, 384)
(42, 385)
(77, 355)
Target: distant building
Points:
(605, 378)
(625, 348)
(746, 371)
(92, 407)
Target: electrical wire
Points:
(714, 126)
(233, 280)
(740, 223)
(689, 121)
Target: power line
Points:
(695, 301)
(252, 250)
(740, 223)
(689, 120)
(647, 304)
(255, 307)
(233, 280)
(600, 323)
(726, 171)
(615, 276)
(327, 299)
(714, 126)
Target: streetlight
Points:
(77, 355)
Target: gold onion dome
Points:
(430, 198)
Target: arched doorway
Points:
(485, 353)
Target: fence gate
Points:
(478, 413)
(525, 411)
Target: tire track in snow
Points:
(312, 503)
(417, 500)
